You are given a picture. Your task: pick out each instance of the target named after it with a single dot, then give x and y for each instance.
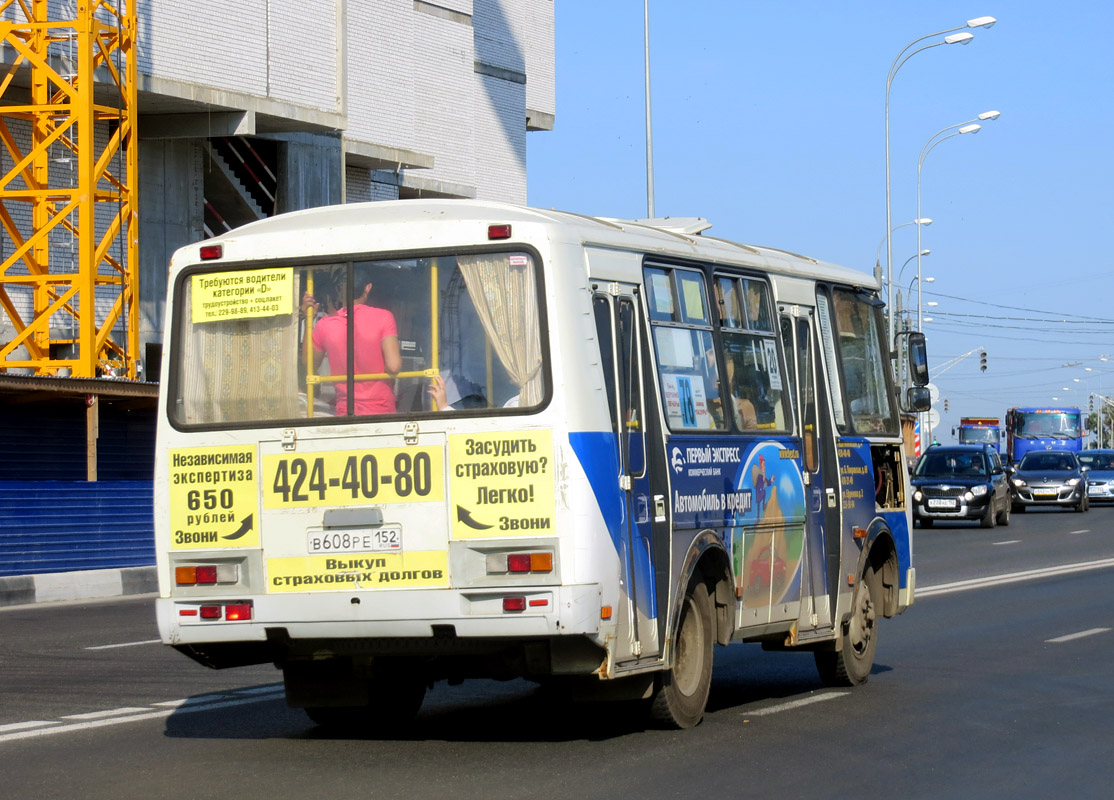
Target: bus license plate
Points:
(377, 540)
(938, 503)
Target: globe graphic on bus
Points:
(768, 552)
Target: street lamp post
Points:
(901, 272)
(649, 128)
(878, 250)
(898, 62)
(970, 126)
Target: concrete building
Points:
(257, 107)
(342, 100)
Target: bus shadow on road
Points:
(511, 711)
(746, 675)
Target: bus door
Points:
(643, 535)
(821, 475)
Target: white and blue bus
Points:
(606, 447)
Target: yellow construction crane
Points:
(68, 191)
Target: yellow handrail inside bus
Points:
(312, 379)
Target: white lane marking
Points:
(1085, 530)
(112, 712)
(199, 700)
(804, 701)
(123, 644)
(31, 723)
(1008, 541)
(30, 730)
(1012, 577)
(1079, 635)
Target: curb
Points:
(88, 584)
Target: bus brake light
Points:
(237, 612)
(498, 563)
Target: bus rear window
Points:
(448, 334)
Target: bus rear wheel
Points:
(681, 693)
(851, 664)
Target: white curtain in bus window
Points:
(864, 377)
(504, 292)
(239, 346)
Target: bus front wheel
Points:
(851, 664)
(681, 693)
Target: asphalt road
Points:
(997, 683)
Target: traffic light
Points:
(982, 361)
(945, 404)
(1091, 403)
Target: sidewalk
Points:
(90, 584)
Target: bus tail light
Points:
(230, 612)
(498, 232)
(520, 563)
(206, 574)
(237, 612)
(210, 252)
(514, 603)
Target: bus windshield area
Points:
(951, 465)
(1042, 425)
(261, 344)
(977, 435)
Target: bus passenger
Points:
(746, 415)
(376, 349)
(439, 392)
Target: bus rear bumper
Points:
(402, 614)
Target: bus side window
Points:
(682, 336)
(630, 388)
(602, 310)
(790, 367)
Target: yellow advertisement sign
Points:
(214, 500)
(502, 484)
(242, 294)
(354, 477)
(358, 571)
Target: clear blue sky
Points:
(768, 120)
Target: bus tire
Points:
(681, 693)
(851, 664)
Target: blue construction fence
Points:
(64, 526)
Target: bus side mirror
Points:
(917, 398)
(918, 358)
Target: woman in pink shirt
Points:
(376, 351)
